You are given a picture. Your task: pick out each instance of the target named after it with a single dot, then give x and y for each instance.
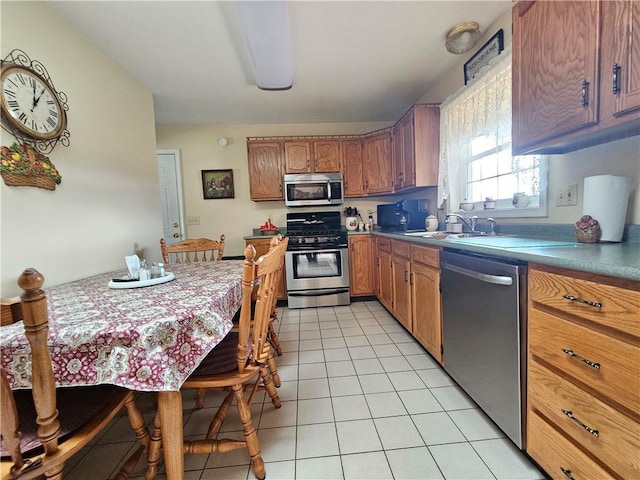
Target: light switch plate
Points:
(193, 220)
(567, 196)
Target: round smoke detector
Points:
(462, 37)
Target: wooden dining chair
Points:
(192, 250)
(43, 427)
(271, 334)
(239, 363)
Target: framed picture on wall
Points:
(217, 184)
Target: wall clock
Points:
(33, 111)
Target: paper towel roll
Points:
(605, 199)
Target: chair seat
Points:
(76, 407)
(222, 358)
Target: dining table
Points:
(149, 338)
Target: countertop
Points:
(613, 259)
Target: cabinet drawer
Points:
(620, 307)
(618, 436)
(557, 455)
(384, 244)
(425, 255)
(618, 375)
(402, 249)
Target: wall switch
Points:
(567, 195)
(193, 220)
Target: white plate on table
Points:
(168, 276)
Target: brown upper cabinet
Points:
(312, 156)
(576, 81)
(326, 156)
(377, 163)
(351, 159)
(266, 170)
(297, 157)
(416, 147)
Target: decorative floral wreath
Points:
(17, 160)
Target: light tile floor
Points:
(361, 399)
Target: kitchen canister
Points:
(605, 199)
(431, 223)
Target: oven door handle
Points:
(312, 249)
(317, 292)
(483, 277)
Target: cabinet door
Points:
(555, 69)
(265, 170)
(397, 155)
(297, 157)
(401, 268)
(385, 287)
(326, 156)
(377, 163)
(351, 152)
(425, 133)
(425, 306)
(361, 265)
(621, 55)
(408, 152)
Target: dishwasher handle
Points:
(484, 277)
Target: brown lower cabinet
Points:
(262, 246)
(361, 265)
(583, 374)
(408, 277)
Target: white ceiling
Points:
(353, 61)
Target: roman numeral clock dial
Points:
(32, 110)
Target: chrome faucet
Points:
(466, 219)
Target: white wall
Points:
(616, 158)
(109, 198)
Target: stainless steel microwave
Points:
(313, 189)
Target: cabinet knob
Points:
(567, 473)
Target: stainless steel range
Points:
(317, 260)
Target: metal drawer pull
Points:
(571, 353)
(592, 431)
(580, 300)
(567, 473)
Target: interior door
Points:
(171, 195)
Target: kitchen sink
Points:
(451, 235)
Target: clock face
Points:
(30, 105)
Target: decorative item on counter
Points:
(22, 166)
(466, 206)
(588, 230)
(370, 224)
(489, 203)
(268, 228)
(351, 222)
(431, 223)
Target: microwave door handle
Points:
(328, 190)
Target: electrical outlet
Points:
(567, 195)
(193, 220)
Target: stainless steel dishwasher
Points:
(484, 308)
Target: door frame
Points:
(178, 165)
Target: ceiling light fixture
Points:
(462, 37)
(265, 29)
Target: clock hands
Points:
(36, 100)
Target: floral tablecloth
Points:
(145, 339)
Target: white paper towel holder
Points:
(606, 198)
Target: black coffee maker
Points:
(402, 218)
(403, 215)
